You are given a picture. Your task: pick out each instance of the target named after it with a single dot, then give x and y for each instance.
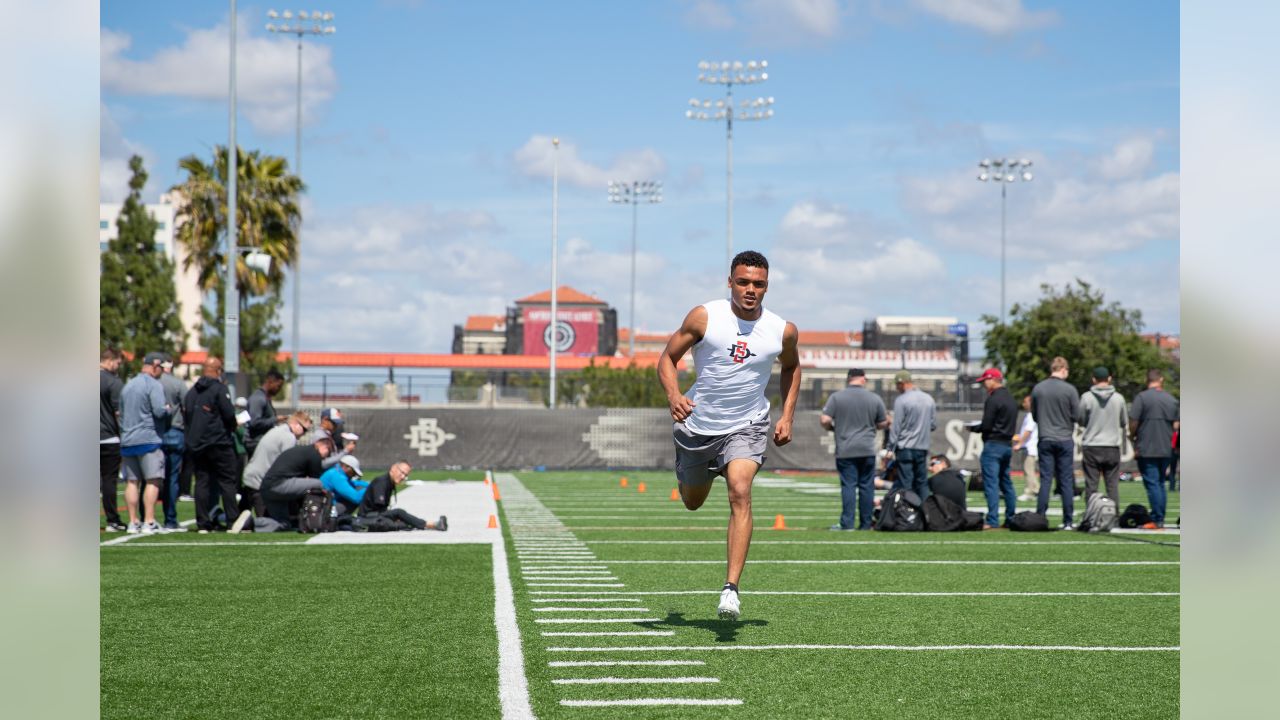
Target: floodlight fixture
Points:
(1004, 178)
(634, 193)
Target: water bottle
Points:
(333, 510)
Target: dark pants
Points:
(857, 489)
(186, 481)
(1153, 470)
(251, 499)
(913, 470)
(1104, 461)
(996, 482)
(1056, 459)
(283, 495)
(109, 479)
(173, 443)
(1173, 471)
(215, 476)
(401, 515)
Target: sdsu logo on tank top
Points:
(733, 360)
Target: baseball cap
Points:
(1101, 373)
(856, 372)
(319, 435)
(351, 462)
(989, 374)
(167, 363)
(332, 413)
(153, 358)
(242, 402)
(902, 376)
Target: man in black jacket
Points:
(378, 496)
(296, 471)
(109, 386)
(210, 422)
(262, 414)
(998, 425)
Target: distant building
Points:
(481, 335)
(586, 327)
(185, 282)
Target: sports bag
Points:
(1028, 521)
(900, 512)
(942, 514)
(1099, 514)
(1135, 516)
(972, 520)
(316, 515)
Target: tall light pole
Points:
(729, 74)
(1004, 171)
(553, 329)
(231, 293)
(633, 193)
(320, 24)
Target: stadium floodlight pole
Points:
(231, 293)
(321, 24)
(633, 193)
(553, 328)
(1004, 171)
(729, 74)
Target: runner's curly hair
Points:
(750, 258)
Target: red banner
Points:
(578, 332)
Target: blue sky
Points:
(426, 151)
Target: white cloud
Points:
(536, 159)
(1055, 216)
(709, 14)
(994, 17)
(266, 73)
(770, 21)
(113, 160)
(1129, 159)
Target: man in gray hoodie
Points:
(1105, 420)
(1054, 405)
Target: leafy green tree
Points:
(268, 215)
(137, 302)
(1076, 322)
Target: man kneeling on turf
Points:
(296, 471)
(381, 491)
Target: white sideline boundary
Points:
(1002, 543)
(864, 561)
(636, 681)
(861, 593)
(649, 702)
(904, 648)
(513, 686)
(126, 538)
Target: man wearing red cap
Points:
(998, 425)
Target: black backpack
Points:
(1028, 521)
(1134, 516)
(942, 514)
(316, 515)
(900, 512)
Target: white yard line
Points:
(126, 538)
(636, 681)
(600, 610)
(617, 663)
(1004, 543)
(649, 702)
(592, 621)
(861, 561)
(907, 648)
(513, 687)
(869, 593)
(639, 633)
(581, 585)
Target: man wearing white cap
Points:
(344, 483)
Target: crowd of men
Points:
(251, 466)
(1052, 414)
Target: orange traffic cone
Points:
(622, 482)
(640, 487)
(675, 494)
(493, 521)
(779, 523)
(496, 495)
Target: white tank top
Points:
(733, 360)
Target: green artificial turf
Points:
(315, 632)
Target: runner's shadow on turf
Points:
(725, 630)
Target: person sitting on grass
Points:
(947, 481)
(344, 483)
(381, 492)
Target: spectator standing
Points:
(913, 422)
(295, 472)
(173, 443)
(1054, 406)
(1026, 440)
(380, 493)
(344, 483)
(999, 423)
(1105, 420)
(1152, 422)
(211, 425)
(142, 414)
(262, 414)
(855, 414)
(109, 387)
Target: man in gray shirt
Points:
(1055, 405)
(914, 420)
(173, 443)
(1105, 420)
(1151, 424)
(855, 414)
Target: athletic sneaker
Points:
(174, 528)
(115, 527)
(1024, 498)
(1067, 526)
(730, 607)
(837, 526)
(152, 528)
(134, 528)
(443, 523)
(186, 498)
(244, 518)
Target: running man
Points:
(722, 426)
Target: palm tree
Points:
(269, 216)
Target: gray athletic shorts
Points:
(149, 467)
(701, 457)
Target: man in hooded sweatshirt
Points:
(211, 422)
(1105, 418)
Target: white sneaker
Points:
(151, 529)
(245, 517)
(730, 607)
(1023, 498)
(134, 528)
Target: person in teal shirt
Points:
(344, 482)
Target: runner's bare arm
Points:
(689, 334)
(790, 384)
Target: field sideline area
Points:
(613, 593)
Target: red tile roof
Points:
(830, 337)
(445, 361)
(485, 323)
(565, 294)
(625, 333)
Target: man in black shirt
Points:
(262, 414)
(294, 472)
(381, 490)
(998, 426)
(210, 421)
(1153, 420)
(109, 387)
(946, 481)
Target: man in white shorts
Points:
(722, 426)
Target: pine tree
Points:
(138, 305)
